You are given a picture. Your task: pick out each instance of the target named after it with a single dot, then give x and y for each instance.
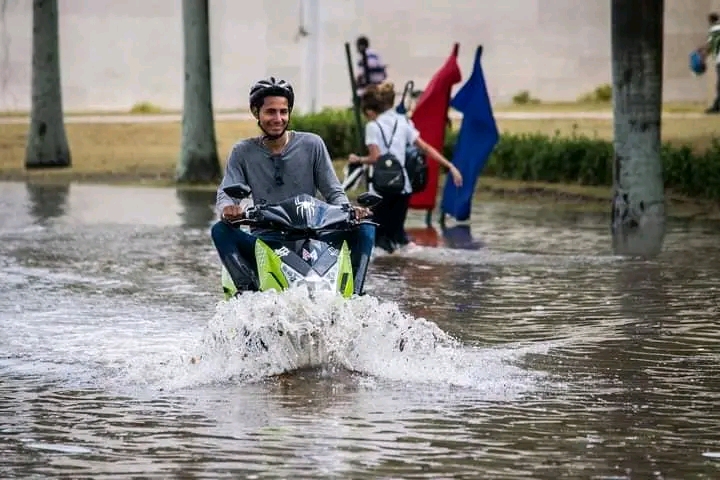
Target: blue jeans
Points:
(236, 249)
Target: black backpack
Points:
(417, 167)
(388, 173)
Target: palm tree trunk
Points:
(198, 161)
(638, 211)
(47, 144)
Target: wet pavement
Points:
(528, 350)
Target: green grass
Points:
(147, 153)
(562, 107)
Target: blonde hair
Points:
(378, 97)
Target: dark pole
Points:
(356, 104)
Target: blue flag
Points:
(475, 142)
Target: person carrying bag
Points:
(387, 155)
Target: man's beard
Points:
(267, 136)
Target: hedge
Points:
(574, 159)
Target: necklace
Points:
(279, 149)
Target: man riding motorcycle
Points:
(278, 165)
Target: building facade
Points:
(116, 54)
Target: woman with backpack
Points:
(388, 135)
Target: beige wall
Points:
(115, 54)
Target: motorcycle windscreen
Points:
(306, 212)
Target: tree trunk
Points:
(47, 144)
(638, 210)
(198, 161)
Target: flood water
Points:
(537, 355)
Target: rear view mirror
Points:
(369, 199)
(238, 191)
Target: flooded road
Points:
(537, 355)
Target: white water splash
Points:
(101, 342)
(264, 334)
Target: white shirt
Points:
(404, 134)
(714, 42)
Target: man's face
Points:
(274, 115)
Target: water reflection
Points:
(197, 207)
(459, 237)
(643, 293)
(615, 360)
(47, 201)
(449, 294)
(425, 236)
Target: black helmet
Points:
(271, 87)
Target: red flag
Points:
(430, 118)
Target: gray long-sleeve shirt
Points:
(304, 166)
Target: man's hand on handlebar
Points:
(233, 213)
(361, 212)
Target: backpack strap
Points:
(408, 143)
(387, 144)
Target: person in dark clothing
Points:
(371, 69)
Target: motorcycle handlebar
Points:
(253, 216)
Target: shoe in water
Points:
(385, 244)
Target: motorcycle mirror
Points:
(238, 190)
(369, 199)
